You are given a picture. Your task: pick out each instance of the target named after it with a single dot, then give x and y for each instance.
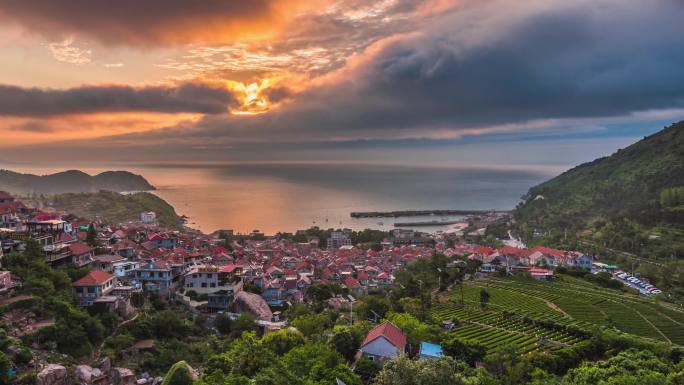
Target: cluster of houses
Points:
(209, 276)
(538, 261)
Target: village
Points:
(224, 274)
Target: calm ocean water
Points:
(287, 197)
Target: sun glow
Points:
(251, 97)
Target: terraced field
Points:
(570, 302)
(495, 329)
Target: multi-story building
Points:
(148, 217)
(216, 282)
(154, 277)
(338, 239)
(93, 286)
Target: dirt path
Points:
(96, 354)
(14, 299)
(556, 308)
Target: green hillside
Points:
(115, 207)
(515, 304)
(632, 200)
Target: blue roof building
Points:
(430, 351)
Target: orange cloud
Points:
(155, 22)
(76, 127)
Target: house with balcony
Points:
(154, 277)
(93, 286)
(81, 254)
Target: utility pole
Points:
(351, 306)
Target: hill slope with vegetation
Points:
(635, 196)
(114, 207)
(628, 207)
(72, 181)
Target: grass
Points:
(116, 208)
(577, 303)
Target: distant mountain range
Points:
(72, 181)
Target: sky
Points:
(477, 83)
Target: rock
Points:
(158, 380)
(123, 376)
(53, 374)
(106, 365)
(84, 374)
(96, 373)
(141, 381)
(145, 375)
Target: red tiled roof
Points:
(229, 268)
(392, 333)
(549, 251)
(79, 248)
(93, 278)
(351, 282)
(11, 207)
(5, 195)
(483, 250)
(515, 251)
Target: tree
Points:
(444, 371)
(245, 322)
(367, 369)
(246, 357)
(463, 350)
(314, 324)
(91, 236)
(345, 344)
(179, 374)
(5, 366)
(484, 298)
(373, 306)
(303, 359)
(283, 340)
(223, 323)
(415, 330)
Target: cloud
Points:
(186, 97)
(150, 22)
(66, 52)
(480, 66)
(31, 126)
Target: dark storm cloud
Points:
(31, 127)
(477, 68)
(188, 97)
(134, 21)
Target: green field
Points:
(566, 301)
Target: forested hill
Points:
(72, 181)
(638, 192)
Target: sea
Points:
(285, 197)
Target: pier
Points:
(415, 213)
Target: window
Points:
(91, 290)
(212, 284)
